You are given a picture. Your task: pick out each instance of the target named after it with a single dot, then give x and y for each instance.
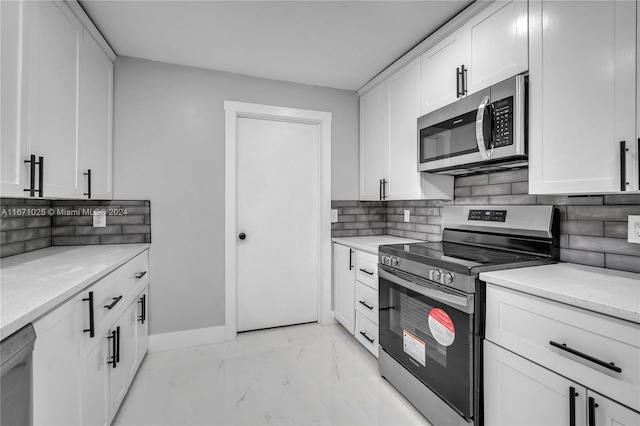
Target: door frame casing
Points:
(233, 111)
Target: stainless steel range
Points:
(431, 303)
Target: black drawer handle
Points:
(365, 305)
(141, 274)
(143, 309)
(114, 303)
(112, 359)
(365, 271)
(564, 347)
(91, 329)
(592, 412)
(366, 337)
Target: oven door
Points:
(428, 329)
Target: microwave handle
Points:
(484, 113)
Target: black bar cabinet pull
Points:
(40, 176)
(463, 76)
(458, 94)
(114, 303)
(384, 189)
(623, 166)
(365, 271)
(365, 305)
(141, 274)
(88, 175)
(564, 347)
(143, 308)
(592, 412)
(117, 344)
(32, 180)
(380, 188)
(572, 406)
(366, 337)
(112, 359)
(91, 328)
(350, 259)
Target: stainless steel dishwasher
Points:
(15, 379)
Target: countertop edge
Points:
(6, 329)
(574, 300)
(361, 245)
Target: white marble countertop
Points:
(34, 283)
(370, 244)
(606, 291)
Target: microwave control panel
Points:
(503, 119)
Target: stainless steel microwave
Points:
(483, 131)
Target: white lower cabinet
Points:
(530, 376)
(82, 368)
(344, 280)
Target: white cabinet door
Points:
(440, 84)
(95, 380)
(142, 331)
(344, 283)
(12, 144)
(403, 97)
(497, 43)
(95, 119)
(373, 141)
(125, 349)
(519, 392)
(582, 87)
(56, 357)
(54, 47)
(608, 412)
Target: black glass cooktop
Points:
(461, 257)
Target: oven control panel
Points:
(488, 215)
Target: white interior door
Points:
(277, 209)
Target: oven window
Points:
(449, 138)
(432, 340)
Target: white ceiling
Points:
(340, 44)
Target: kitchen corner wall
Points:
(593, 228)
(30, 224)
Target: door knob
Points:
(242, 236)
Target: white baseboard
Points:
(185, 339)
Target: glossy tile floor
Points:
(299, 375)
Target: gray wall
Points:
(169, 149)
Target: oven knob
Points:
(386, 260)
(394, 261)
(434, 274)
(447, 278)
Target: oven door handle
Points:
(484, 113)
(451, 299)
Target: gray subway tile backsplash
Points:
(593, 228)
(32, 224)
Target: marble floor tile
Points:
(300, 375)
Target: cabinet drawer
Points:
(528, 324)
(367, 302)
(116, 291)
(367, 269)
(367, 333)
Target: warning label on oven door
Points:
(414, 347)
(441, 327)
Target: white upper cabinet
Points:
(403, 100)
(582, 88)
(489, 48)
(441, 72)
(373, 142)
(497, 44)
(389, 142)
(53, 50)
(95, 120)
(57, 85)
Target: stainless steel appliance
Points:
(483, 131)
(431, 303)
(15, 380)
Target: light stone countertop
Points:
(606, 291)
(34, 283)
(370, 244)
